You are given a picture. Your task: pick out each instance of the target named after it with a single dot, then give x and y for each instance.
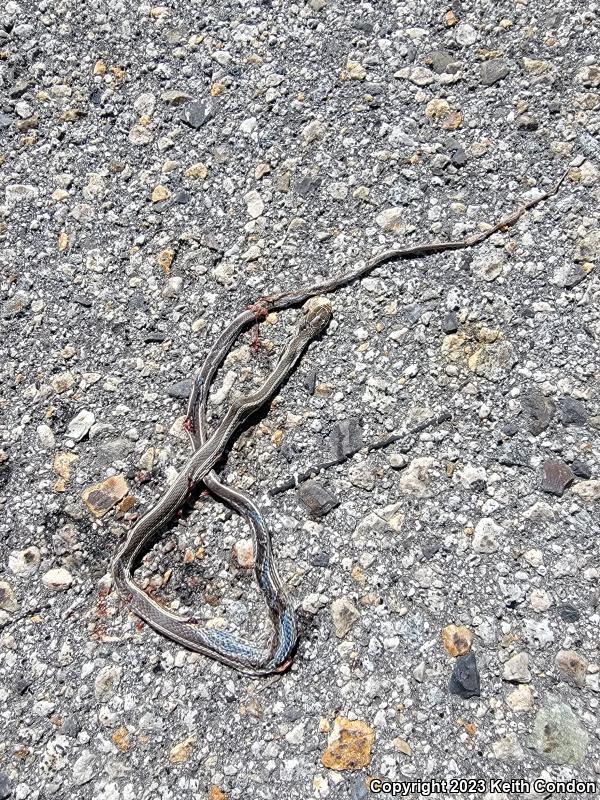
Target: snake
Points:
(215, 643)
(219, 644)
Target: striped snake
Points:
(206, 451)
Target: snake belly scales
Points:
(222, 645)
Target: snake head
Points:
(317, 315)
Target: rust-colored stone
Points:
(349, 745)
(457, 640)
(101, 497)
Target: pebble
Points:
(316, 498)
(8, 601)
(557, 477)
(494, 71)
(421, 76)
(15, 193)
(197, 113)
(243, 553)
(313, 131)
(392, 220)
(558, 734)
(254, 203)
(520, 699)
(581, 469)
(413, 480)
(58, 579)
(538, 411)
(486, 535)
(457, 640)
(181, 752)
(588, 490)
(175, 97)
(46, 437)
(572, 411)
(465, 34)
(568, 612)
(588, 247)
(15, 305)
(572, 667)
(181, 390)
(103, 496)
(80, 425)
(84, 768)
(508, 749)
(173, 287)
(344, 614)
(346, 438)
(488, 267)
(107, 681)
(6, 790)
(516, 669)
(450, 322)
(349, 746)
(464, 680)
(23, 562)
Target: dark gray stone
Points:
(318, 500)
(538, 410)
(581, 469)
(510, 428)
(320, 560)
(442, 61)
(494, 71)
(196, 114)
(307, 185)
(527, 122)
(450, 322)
(458, 157)
(568, 612)
(464, 680)
(572, 411)
(346, 438)
(181, 389)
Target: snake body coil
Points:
(215, 643)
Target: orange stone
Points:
(165, 258)
(457, 640)
(216, 793)
(103, 496)
(349, 746)
(121, 739)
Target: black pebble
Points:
(346, 438)
(181, 389)
(581, 469)
(572, 411)
(510, 428)
(568, 612)
(459, 157)
(450, 322)
(464, 680)
(197, 113)
(320, 560)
